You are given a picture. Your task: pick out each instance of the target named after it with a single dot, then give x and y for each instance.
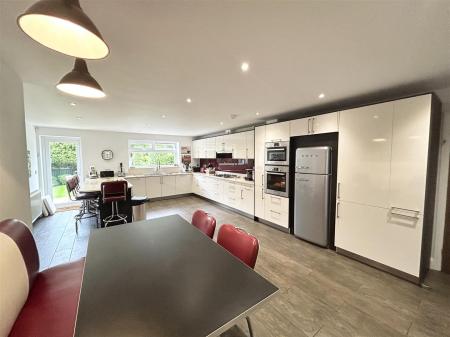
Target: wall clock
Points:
(107, 154)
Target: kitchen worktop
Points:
(237, 179)
(156, 174)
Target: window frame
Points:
(152, 149)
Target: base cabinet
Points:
(168, 186)
(276, 210)
(183, 184)
(381, 235)
(230, 193)
(139, 186)
(153, 185)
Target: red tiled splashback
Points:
(229, 165)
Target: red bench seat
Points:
(36, 304)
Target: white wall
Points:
(441, 193)
(32, 152)
(94, 142)
(14, 187)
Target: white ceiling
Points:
(165, 51)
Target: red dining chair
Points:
(243, 246)
(204, 222)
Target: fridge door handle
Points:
(337, 210)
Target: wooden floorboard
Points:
(321, 293)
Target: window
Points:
(147, 153)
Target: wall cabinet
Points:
(250, 144)
(210, 147)
(277, 132)
(220, 144)
(315, 125)
(382, 172)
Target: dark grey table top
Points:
(163, 277)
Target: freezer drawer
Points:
(311, 208)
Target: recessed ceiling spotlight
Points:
(257, 114)
(163, 116)
(72, 103)
(79, 118)
(245, 67)
(322, 95)
(221, 123)
(189, 100)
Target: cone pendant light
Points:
(80, 83)
(62, 25)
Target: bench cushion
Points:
(52, 304)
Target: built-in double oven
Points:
(276, 173)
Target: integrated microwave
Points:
(277, 153)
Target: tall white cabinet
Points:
(260, 141)
(382, 175)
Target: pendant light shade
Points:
(62, 25)
(80, 83)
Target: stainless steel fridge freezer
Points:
(312, 194)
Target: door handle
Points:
(262, 180)
(241, 195)
(415, 216)
(309, 127)
(312, 125)
(337, 210)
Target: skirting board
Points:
(380, 266)
(271, 224)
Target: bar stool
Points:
(89, 204)
(113, 192)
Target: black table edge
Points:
(241, 316)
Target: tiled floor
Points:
(322, 293)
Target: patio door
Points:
(61, 156)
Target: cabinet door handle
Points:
(312, 125)
(337, 210)
(275, 212)
(309, 127)
(241, 194)
(415, 216)
(262, 194)
(262, 180)
(339, 190)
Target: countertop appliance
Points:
(106, 174)
(277, 180)
(312, 194)
(221, 155)
(277, 153)
(249, 174)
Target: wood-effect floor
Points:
(321, 293)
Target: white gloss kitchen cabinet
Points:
(250, 144)
(276, 210)
(260, 141)
(230, 193)
(183, 183)
(315, 125)
(384, 215)
(277, 132)
(139, 187)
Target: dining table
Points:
(163, 277)
(93, 186)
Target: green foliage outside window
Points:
(63, 154)
(148, 159)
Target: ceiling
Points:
(163, 52)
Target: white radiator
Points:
(36, 205)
